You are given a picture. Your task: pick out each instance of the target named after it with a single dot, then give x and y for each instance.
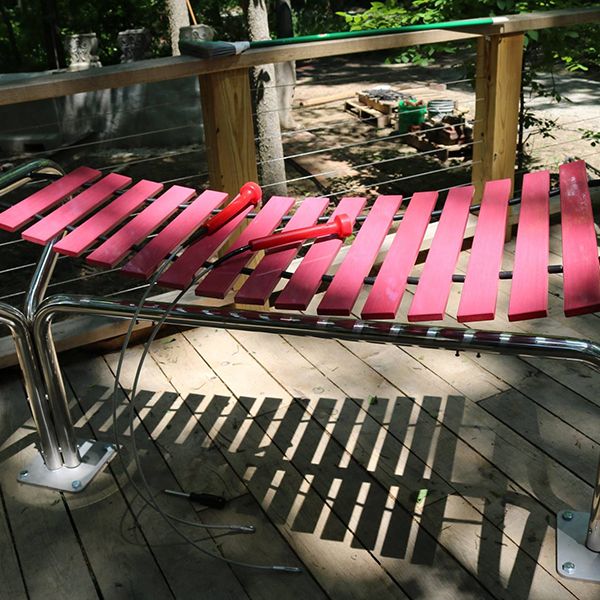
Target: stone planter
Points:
(82, 49)
(195, 33)
(134, 44)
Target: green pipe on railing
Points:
(215, 49)
(339, 35)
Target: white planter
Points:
(82, 49)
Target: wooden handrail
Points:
(63, 83)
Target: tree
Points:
(285, 72)
(178, 17)
(267, 128)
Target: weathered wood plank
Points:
(303, 443)
(484, 487)
(181, 432)
(294, 506)
(379, 436)
(155, 540)
(11, 577)
(52, 560)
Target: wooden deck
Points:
(384, 472)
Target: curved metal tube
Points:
(19, 328)
(11, 180)
(450, 338)
(593, 536)
(17, 176)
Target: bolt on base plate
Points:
(94, 456)
(573, 559)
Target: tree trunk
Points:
(54, 50)
(268, 131)
(285, 73)
(178, 17)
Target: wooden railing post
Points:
(228, 129)
(497, 89)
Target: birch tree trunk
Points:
(178, 17)
(285, 72)
(267, 128)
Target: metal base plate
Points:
(573, 558)
(94, 455)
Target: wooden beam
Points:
(64, 83)
(498, 82)
(228, 129)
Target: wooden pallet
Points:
(367, 114)
(384, 106)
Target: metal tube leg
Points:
(44, 343)
(49, 448)
(39, 281)
(593, 536)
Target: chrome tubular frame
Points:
(42, 416)
(19, 322)
(347, 329)
(62, 467)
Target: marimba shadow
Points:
(388, 476)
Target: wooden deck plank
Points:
(380, 419)
(11, 577)
(10, 569)
(537, 474)
(529, 477)
(174, 558)
(52, 560)
(295, 507)
(293, 429)
(117, 565)
(197, 462)
(476, 478)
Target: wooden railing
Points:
(226, 99)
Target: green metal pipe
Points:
(339, 35)
(215, 49)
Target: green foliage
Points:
(593, 137)
(574, 49)
(315, 17)
(546, 50)
(24, 25)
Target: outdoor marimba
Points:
(112, 222)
